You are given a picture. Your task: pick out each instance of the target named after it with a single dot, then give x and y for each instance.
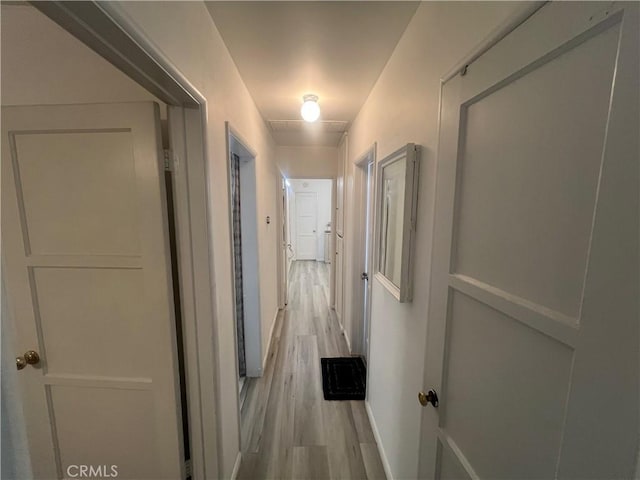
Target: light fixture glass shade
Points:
(310, 110)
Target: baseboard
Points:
(236, 466)
(335, 312)
(376, 435)
(344, 332)
(273, 327)
(346, 337)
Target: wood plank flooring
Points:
(288, 430)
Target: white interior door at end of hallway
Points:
(306, 225)
(534, 301)
(88, 275)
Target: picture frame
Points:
(396, 215)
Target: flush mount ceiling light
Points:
(310, 110)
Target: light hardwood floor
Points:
(288, 430)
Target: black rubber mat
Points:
(343, 378)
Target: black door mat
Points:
(343, 378)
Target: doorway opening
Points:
(244, 245)
(309, 225)
(363, 228)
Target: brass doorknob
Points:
(20, 363)
(430, 397)
(31, 357)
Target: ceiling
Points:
(333, 49)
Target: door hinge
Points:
(168, 167)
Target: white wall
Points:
(402, 108)
(307, 162)
(42, 64)
(323, 188)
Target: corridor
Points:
(202, 200)
(288, 430)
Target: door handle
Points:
(364, 276)
(430, 397)
(30, 357)
(20, 363)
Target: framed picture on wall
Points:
(397, 194)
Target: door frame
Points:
(111, 33)
(236, 144)
(284, 242)
(361, 232)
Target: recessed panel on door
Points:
(86, 206)
(87, 416)
(505, 381)
(96, 313)
(529, 175)
(448, 466)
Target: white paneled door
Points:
(306, 225)
(533, 330)
(86, 251)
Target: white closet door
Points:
(86, 250)
(533, 327)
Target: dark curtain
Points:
(237, 260)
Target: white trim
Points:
(235, 143)
(236, 466)
(230, 130)
(268, 349)
(282, 219)
(359, 239)
(346, 337)
(376, 435)
(411, 154)
(206, 313)
(332, 246)
(188, 271)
